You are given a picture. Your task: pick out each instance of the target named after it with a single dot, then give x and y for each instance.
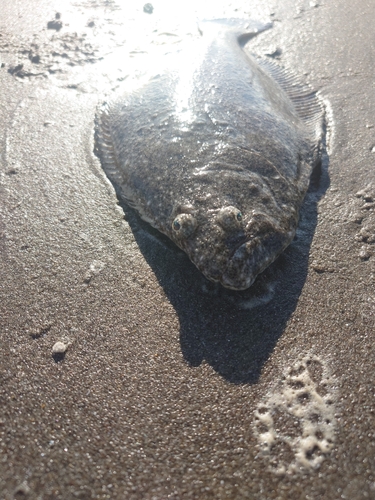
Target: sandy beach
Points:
(124, 373)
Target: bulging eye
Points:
(230, 218)
(184, 225)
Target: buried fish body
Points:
(216, 152)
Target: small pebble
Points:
(22, 490)
(359, 237)
(322, 267)
(59, 348)
(54, 25)
(148, 8)
(274, 52)
(365, 193)
(357, 218)
(368, 206)
(364, 253)
(366, 234)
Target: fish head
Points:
(234, 230)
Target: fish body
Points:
(215, 151)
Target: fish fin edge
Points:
(242, 29)
(309, 107)
(103, 149)
(103, 145)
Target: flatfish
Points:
(216, 151)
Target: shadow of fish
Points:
(216, 151)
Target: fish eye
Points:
(184, 225)
(230, 218)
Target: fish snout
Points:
(234, 254)
(247, 261)
(262, 243)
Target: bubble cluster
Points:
(295, 424)
(364, 217)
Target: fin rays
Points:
(306, 102)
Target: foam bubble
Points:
(295, 424)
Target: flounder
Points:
(216, 151)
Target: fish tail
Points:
(242, 29)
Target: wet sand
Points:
(171, 387)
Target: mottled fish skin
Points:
(214, 153)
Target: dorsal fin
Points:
(103, 142)
(306, 102)
(308, 107)
(103, 149)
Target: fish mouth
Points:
(243, 264)
(251, 257)
(239, 274)
(240, 243)
(243, 256)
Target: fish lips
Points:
(244, 265)
(252, 256)
(236, 259)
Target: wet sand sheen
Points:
(167, 386)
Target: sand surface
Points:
(171, 387)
